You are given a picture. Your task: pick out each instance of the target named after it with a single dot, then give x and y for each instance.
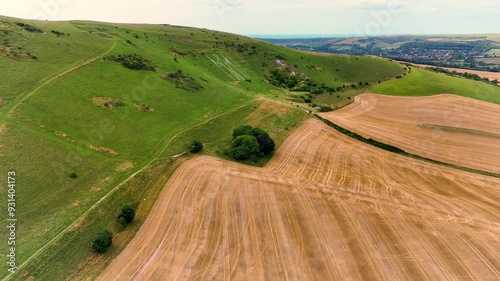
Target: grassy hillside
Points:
(69, 105)
(421, 82)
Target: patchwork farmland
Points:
(98, 118)
(327, 207)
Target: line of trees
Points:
(103, 240)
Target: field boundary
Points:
(400, 151)
(114, 189)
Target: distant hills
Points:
(479, 52)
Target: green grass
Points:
(55, 91)
(424, 83)
(493, 51)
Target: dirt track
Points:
(326, 208)
(449, 128)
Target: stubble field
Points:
(327, 207)
(452, 129)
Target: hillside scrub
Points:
(297, 82)
(183, 81)
(134, 61)
(29, 27)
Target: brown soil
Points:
(63, 135)
(103, 102)
(79, 224)
(124, 166)
(13, 52)
(266, 110)
(327, 207)
(143, 108)
(108, 151)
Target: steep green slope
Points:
(422, 82)
(67, 106)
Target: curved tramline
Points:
(448, 128)
(327, 207)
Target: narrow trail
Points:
(218, 220)
(113, 190)
(6, 114)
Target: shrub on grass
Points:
(244, 139)
(242, 130)
(126, 216)
(117, 103)
(195, 146)
(244, 147)
(102, 241)
(266, 143)
(134, 61)
(183, 81)
(29, 27)
(325, 108)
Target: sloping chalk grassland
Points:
(87, 135)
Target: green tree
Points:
(126, 216)
(244, 147)
(102, 242)
(266, 143)
(122, 221)
(242, 130)
(195, 146)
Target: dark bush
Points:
(242, 130)
(126, 216)
(134, 61)
(183, 81)
(266, 143)
(118, 103)
(58, 33)
(29, 27)
(325, 108)
(244, 147)
(195, 146)
(102, 242)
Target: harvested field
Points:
(483, 74)
(448, 128)
(327, 207)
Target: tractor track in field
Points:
(327, 207)
(447, 128)
(118, 186)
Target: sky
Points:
(360, 17)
